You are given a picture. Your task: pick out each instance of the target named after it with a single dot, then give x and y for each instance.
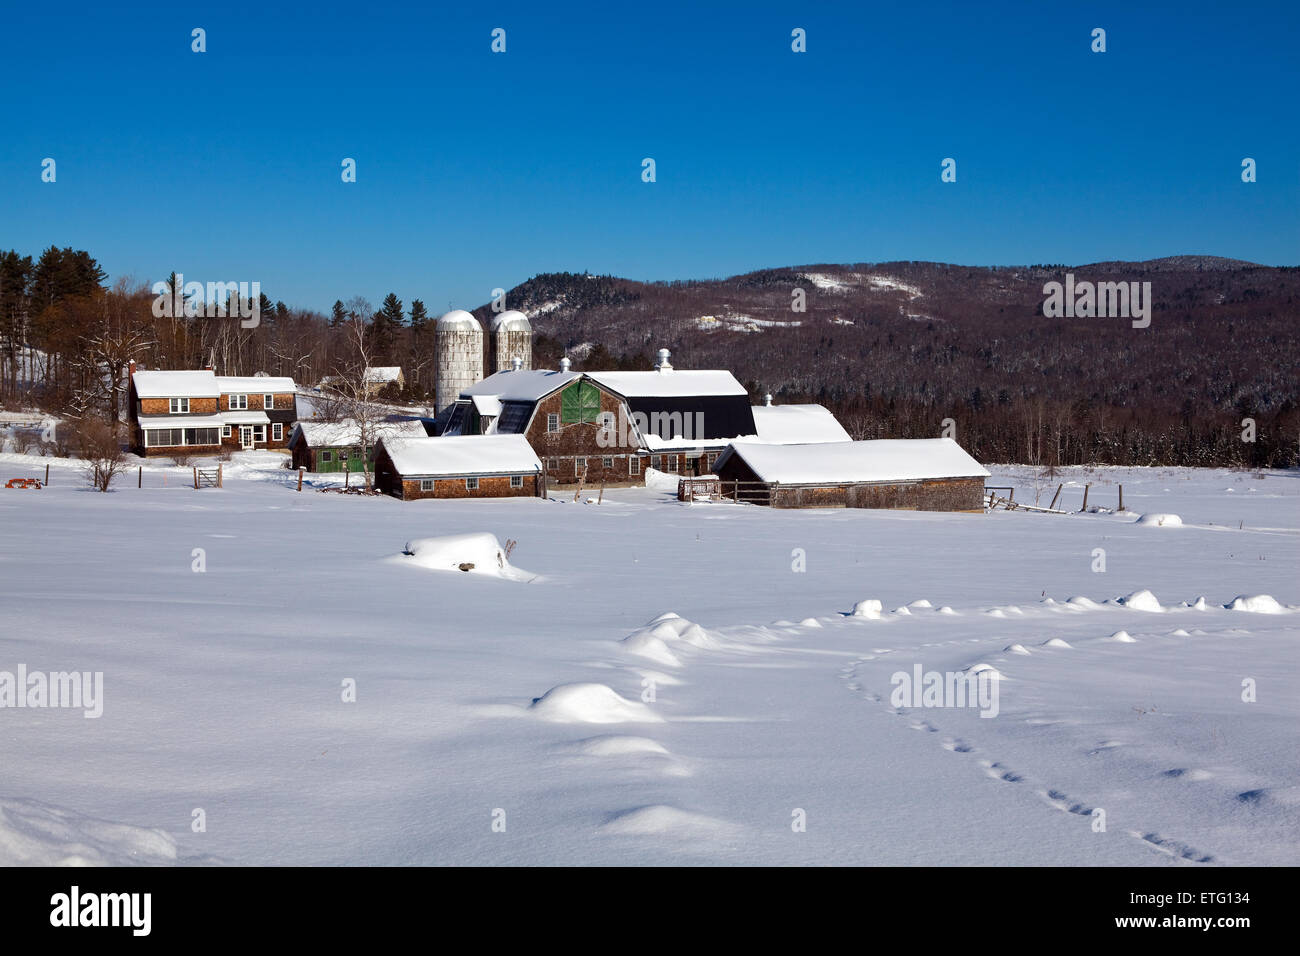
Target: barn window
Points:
(672, 462)
(633, 465)
(427, 484)
(238, 402)
(552, 464)
(607, 463)
(655, 461)
(327, 456)
(277, 431)
(268, 402)
(516, 481)
(552, 423)
(579, 465)
(580, 402)
(471, 484)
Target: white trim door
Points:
(246, 436)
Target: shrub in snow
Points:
(1161, 520)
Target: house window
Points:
(607, 463)
(516, 481)
(672, 462)
(579, 465)
(552, 464)
(225, 431)
(471, 484)
(259, 433)
(238, 402)
(633, 465)
(180, 406)
(277, 431)
(655, 461)
(327, 456)
(426, 484)
(552, 423)
(268, 402)
(355, 453)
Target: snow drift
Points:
(479, 553)
(584, 703)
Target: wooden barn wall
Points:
(496, 487)
(579, 440)
(946, 494)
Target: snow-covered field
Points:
(549, 712)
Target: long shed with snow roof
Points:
(462, 466)
(336, 446)
(921, 474)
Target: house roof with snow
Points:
(459, 455)
(200, 383)
(383, 374)
(670, 383)
(346, 433)
(883, 460)
(265, 384)
(797, 424)
(524, 385)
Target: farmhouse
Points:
(380, 377)
(195, 412)
(926, 474)
(461, 466)
(336, 446)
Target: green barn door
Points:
(580, 402)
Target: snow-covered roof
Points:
(383, 373)
(347, 432)
(462, 455)
(525, 385)
(797, 424)
(458, 320)
(181, 421)
(245, 418)
(657, 445)
(510, 321)
(264, 384)
(487, 404)
(893, 459)
(674, 383)
(199, 383)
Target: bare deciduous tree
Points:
(97, 445)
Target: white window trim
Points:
(268, 403)
(516, 481)
(237, 403)
(471, 487)
(428, 484)
(552, 423)
(633, 465)
(606, 462)
(225, 431)
(178, 406)
(277, 431)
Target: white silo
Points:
(510, 337)
(458, 355)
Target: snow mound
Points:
(921, 603)
(663, 820)
(1015, 649)
(618, 745)
(1256, 604)
(947, 610)
(1055, 642)
(988, 669)
(661, 480)
(1123, 637)
(1142, 600)
(810, 622)
(867, 608)
(39, 834)
(1179, 632)
(902, 610)
(1160, 520)
(478, 553)
(1199, 604)
(584, 703)
(643, 643)
(1087, 604)
(656, 640)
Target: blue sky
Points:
(478, 170)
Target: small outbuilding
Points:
(336, 446)
(922, 474)
(459, 466)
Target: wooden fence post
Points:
(300, 479)
(219, 475)
(1057, 495)
(1085, 496)
(1121, 497)
(47, 473)
(139, 477)
(196, 477)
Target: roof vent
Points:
(663, 365)
(767, 399)
(564, 364)
(516, 363)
